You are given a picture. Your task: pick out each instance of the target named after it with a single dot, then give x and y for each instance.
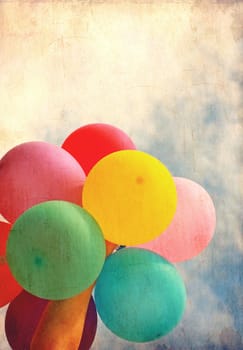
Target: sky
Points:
(169, 74)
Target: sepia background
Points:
(169, 73)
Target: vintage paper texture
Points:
(169, 73)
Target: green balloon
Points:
(139, 295)
(55, 250)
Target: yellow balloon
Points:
(132, 195)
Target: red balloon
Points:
(9, 288)
(92, 142)
(35, 172)
(192, 227)
(23, 315)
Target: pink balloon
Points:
(192, 227)
(35, 172)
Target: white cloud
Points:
(110, 64)
(3, 340)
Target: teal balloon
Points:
(139, 295)
(55, 250)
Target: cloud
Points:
(110, 63)
(3, 340)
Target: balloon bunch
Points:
(69, 210)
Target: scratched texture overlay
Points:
(169, 73)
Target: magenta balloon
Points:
(35, 172)
(23, 315)
(90, 327)
(192, 227)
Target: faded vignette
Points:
(169, 73)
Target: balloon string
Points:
(61, 325)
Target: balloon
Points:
(192, 227)
(139, 295)
(55, 250)
(22, 317)
(131, 195)
(24, 313)
(92, 142)
(90, 327)
(63, 320)
(9, 287)
(35, 172)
